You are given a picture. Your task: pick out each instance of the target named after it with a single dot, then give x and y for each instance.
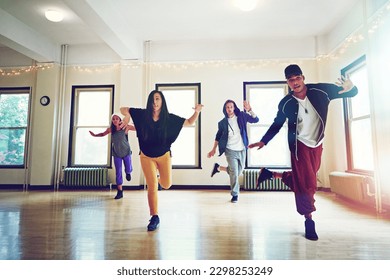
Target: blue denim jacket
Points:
(222, 135)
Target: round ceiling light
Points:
(245, 5)
(54, 16)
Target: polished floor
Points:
(195, 225)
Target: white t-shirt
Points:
(235, 142)
(308, 126)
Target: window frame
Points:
(72, 134)
(264, 84)
(20, 90)
(348, 118)
(197, 87)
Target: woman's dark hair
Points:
(163, 118)
(113, 127)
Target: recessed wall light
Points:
(54, 15)
(245, 5)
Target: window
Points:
(358, 120)
(14, 112)
(181, 99)
(92, 107)
(264, 98)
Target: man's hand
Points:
(211, 153)
(247, 106)
(257, 144)
(345, 83)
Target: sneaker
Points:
(128, 177)
(234, 199)
(119, 194)
(265, 174)
(154, 223)
(310, 231)
(215, 169)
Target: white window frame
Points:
(76, 90)
(350, 119)
(279, 142)
(177, 147)
(13, 91)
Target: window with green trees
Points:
(14, 108)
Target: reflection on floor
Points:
(195, 225)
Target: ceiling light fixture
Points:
(245, 5)
(54, 16)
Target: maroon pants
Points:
(302, 179)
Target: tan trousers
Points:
(149, 167)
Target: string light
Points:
(354, 38)
(25, 69)
(358, 36)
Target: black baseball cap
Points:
(292, 70)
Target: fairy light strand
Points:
(355, 38)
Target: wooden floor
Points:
(195, 225)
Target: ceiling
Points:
(123, 25)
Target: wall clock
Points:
(45, 100)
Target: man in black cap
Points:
(306, 108)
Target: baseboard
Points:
(200, 187)
(11, 186)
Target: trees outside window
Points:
(14, 115)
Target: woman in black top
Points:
(156, 130)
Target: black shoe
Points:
(119, 194)
(265, 174)
(310, 231)
(234, 199)
(128, 177)
(215, 169)
(154, 223)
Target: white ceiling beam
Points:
(25, 40)
(110, 27)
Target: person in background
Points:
(121, 151)
(157, 129)
(232, 139)
(305, 108)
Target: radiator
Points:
(351, 186)
(250, 181)
(85, 176)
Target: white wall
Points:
(11, 58)
(42, 144)
(284, 48)
(379, 69)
